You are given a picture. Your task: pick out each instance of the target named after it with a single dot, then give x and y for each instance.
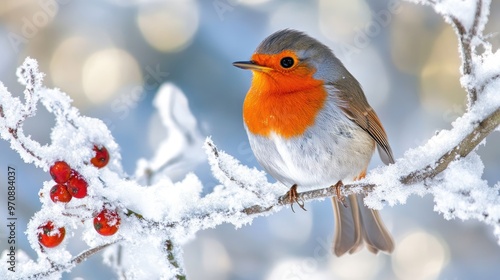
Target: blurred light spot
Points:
(339, 20)
(440, 75)
(215, 259)
(169, 26)
(420, 255)
(281, 17)
(362, 265)
(291, 227)
(66, 67)
(106, 71)
(27, 18)
(410, 38)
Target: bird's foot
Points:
(294, 198)
(340, 197)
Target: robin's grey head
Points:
(295, 48)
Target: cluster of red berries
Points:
(71, 184)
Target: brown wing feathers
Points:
(356, 107)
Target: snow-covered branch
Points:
(161, 207)
(74, 261)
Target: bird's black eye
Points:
(287, 62)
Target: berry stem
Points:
(169, 246)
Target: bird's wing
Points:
(354, 105)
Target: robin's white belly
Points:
(323, 155)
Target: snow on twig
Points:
(161, 215)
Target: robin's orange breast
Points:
(282, 102)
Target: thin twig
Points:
(487, 82)
(226, 172)
(15, 138)
(466, 48)
(169, 247)
(76, 260)
(87, 253)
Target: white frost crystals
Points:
(160, 214)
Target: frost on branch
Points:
(159, 214)
(72, 140)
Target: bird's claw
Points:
(294, 198)
(340, 197)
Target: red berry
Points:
(60, 172)
(107, 222)
(50, 237)
(60, 193)
(77, 186)
(101, 157)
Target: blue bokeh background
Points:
(102, 53)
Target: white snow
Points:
(175, 210)
(182, 148)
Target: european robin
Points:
(309, 125)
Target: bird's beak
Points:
(251, 65)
